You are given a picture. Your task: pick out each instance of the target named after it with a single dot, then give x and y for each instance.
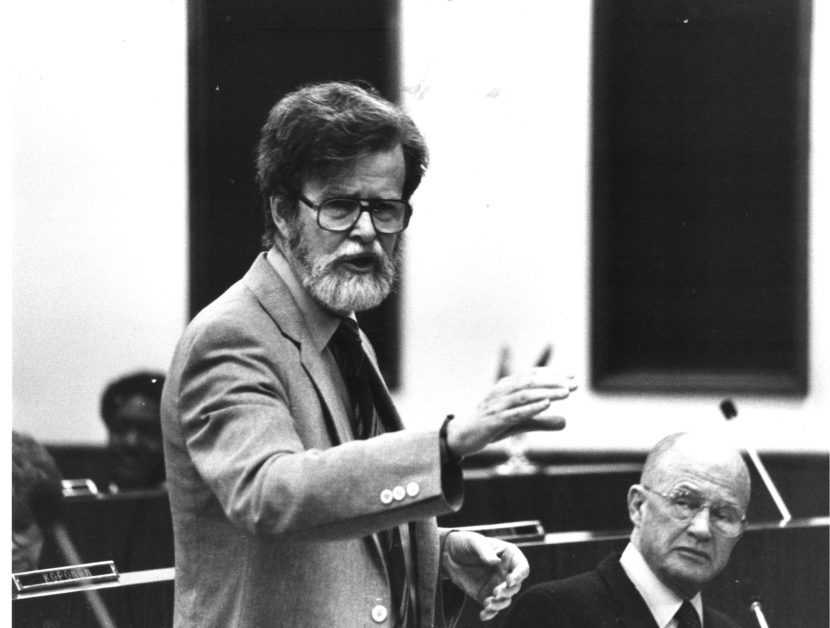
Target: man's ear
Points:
(636, 503)
(273, 206)
(277, 206)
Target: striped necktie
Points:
(354, 366)
(359, 376)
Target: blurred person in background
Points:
(36, 500)
(130, 408)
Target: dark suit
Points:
(602, 598)
(274, 503)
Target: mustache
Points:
(385, 262)
(353, 250)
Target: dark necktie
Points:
(358, 374)
(354, 366)
(687, 616)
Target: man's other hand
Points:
(489, 570)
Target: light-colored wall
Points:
(498, 246)
(99, 196)
(496, 254)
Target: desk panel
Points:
(140, 600)
(134, 530)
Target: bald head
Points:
(697, 452)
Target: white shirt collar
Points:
(661, 600)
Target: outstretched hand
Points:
(517, 403)
(489, 570)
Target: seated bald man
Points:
(688, 511)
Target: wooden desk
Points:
(142, 599)
(788, 564)
(133, 529)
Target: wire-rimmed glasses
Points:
(684, 504)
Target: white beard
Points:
(335, 287)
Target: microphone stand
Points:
(729, 411)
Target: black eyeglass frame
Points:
(366, 205)
(704, 503)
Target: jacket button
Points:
(386, 497)
(412, 489)
(398, 493)
(379, 613)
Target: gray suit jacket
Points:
(602, 598)
(274, 503)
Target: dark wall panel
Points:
(699, 195)
(243, 56)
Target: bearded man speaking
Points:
(298, 499)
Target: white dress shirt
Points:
(661, 600)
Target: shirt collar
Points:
(320, 322)
(660, 599)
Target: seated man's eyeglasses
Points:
(341, 214)
(684, 504)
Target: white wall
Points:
(99, 198)
(501, 90)
(498, 247)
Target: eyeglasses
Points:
(684, 505)
(341, 214)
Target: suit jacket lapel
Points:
(276, 299)
(632, 610)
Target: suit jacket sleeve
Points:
(256, 433)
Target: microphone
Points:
(727, 407)
(752, 598)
